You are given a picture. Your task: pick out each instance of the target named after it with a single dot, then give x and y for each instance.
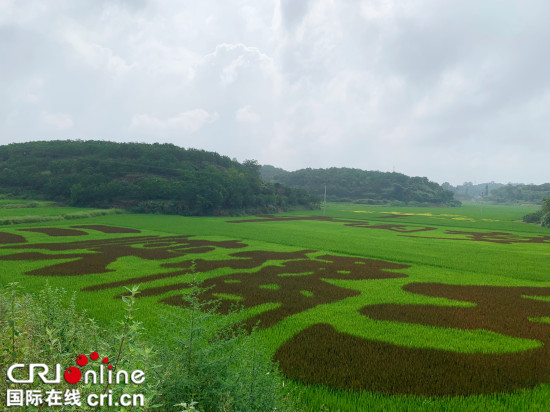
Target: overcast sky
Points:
(454, 90)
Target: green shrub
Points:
(541, 216)
(534, 217)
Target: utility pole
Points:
(325, 201)
(481, 205)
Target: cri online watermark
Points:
(103, 375)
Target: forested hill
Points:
(370, 187)
(151, 178)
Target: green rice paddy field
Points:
(368, 308)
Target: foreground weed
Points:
(47, 328)
(217, 364)
(11, 306)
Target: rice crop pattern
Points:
(55, 231)
(299, 280)
(7, 238)
(308, 276)
(108, 251)
(243, 260)
(352, 223)
(297, 274)
(107, 229)
(494, 237)
(312, 354)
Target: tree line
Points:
(361, 186)
(469, 191)
(520, 193)
(149, 178)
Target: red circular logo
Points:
(72, 375)
(82, 360)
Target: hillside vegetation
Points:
(157, 178)
(521, 193)
(361, 186)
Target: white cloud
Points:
(237, 64)
(377, 9)
(33, 90)
(253, 19)
(246, 115)
(189, 121)
(61, 121)
(96, 55)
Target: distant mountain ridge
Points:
(361, 186)
(150, 178)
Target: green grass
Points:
(40, 211)
(459, 262)
(8, 203)
(9, 216)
